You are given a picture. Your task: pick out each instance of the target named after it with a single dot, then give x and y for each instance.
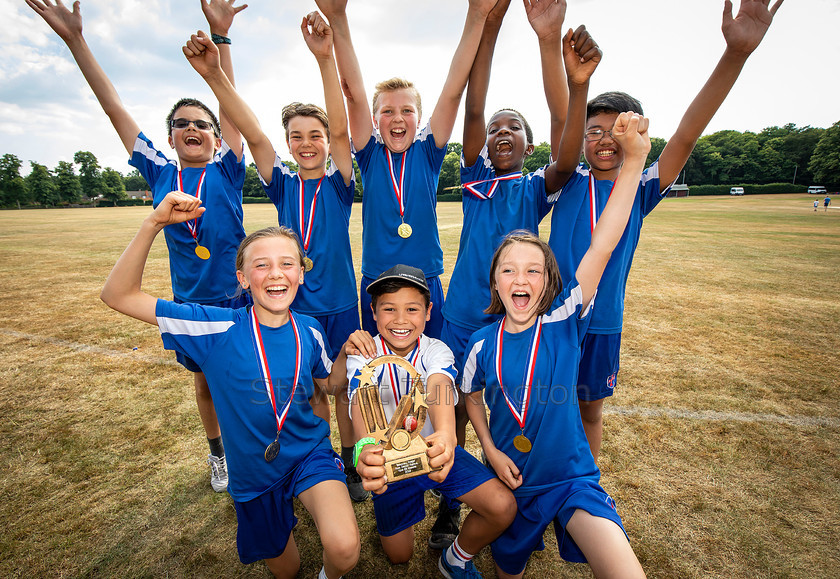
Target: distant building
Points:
(144, 195)
(678, 191)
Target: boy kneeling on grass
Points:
(400, 300)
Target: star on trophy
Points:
(404, 448)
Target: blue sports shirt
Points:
(330, 287)
(519, 203)
(220, 228)
(560, 451)
(571, 235)
(382, 248)
(220, 341)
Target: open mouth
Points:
(606, 153)
(521, 299)
(397, 133)
(192, 140)
(400, 332)
(276, 291)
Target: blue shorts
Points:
(598, 369)
(402, 505)
(456, 337)
(338, 328)
(265, 523)
(433, 326)
(243, 300)
(513, 548)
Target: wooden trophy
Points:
(404, 448)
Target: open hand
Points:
(546, 17)
(220, 13)
(66, 24)
(744, 32)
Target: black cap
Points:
(413, 275)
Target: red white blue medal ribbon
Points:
(306, 232)
(397, 184)
(519, 411)
(394, 375)
(193, 224)
(472, 186)
(262, 358)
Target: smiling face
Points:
(507, 142)
(520, 280)
(397, 118)
(309, 145)
(604, 156)
(271, 271)
(401, 317)
(194, 147)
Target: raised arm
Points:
(122, 290)
(319, 38)
(68, 26)
(203, 56)
(352, 83)
(443, 116)
(475, 131)
(219, 15)
(743, 34)
(630, 131)
(546, 18)
(581, 56)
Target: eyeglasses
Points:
(597, 135)
(199, 124)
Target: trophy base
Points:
(407, 463)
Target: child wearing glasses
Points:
(209, 166)
(585, 195)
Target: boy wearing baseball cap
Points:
(400, 300)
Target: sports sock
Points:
(456, 556)
(347, 458)
(323, 574)
(216, 446)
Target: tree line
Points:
(798, 155)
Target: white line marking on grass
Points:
(723, 416)
(619, 410)
(87, 348)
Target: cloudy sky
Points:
(661, 51)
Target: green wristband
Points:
(363, 442)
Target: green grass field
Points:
(721, 447)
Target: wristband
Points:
(219, 39)
(363, 442)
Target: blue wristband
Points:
(219, 39)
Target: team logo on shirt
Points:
(609, 500)
(611, 381)
(340, 464)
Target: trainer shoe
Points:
(357, 492)
(445, 528)
(218, 473)
(453, 572)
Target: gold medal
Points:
(307, 264)
(404, 230)
(202, 252)
(521, 443)
(272, 450)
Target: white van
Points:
(816, 190)
(736, 191)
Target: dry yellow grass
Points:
(721, 444)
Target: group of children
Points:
(269, 323)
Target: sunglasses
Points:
(199, 124)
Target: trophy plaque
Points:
(404, 448)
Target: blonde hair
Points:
(553, 283)
(393, 84)
(296, 109)
(262, 234)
